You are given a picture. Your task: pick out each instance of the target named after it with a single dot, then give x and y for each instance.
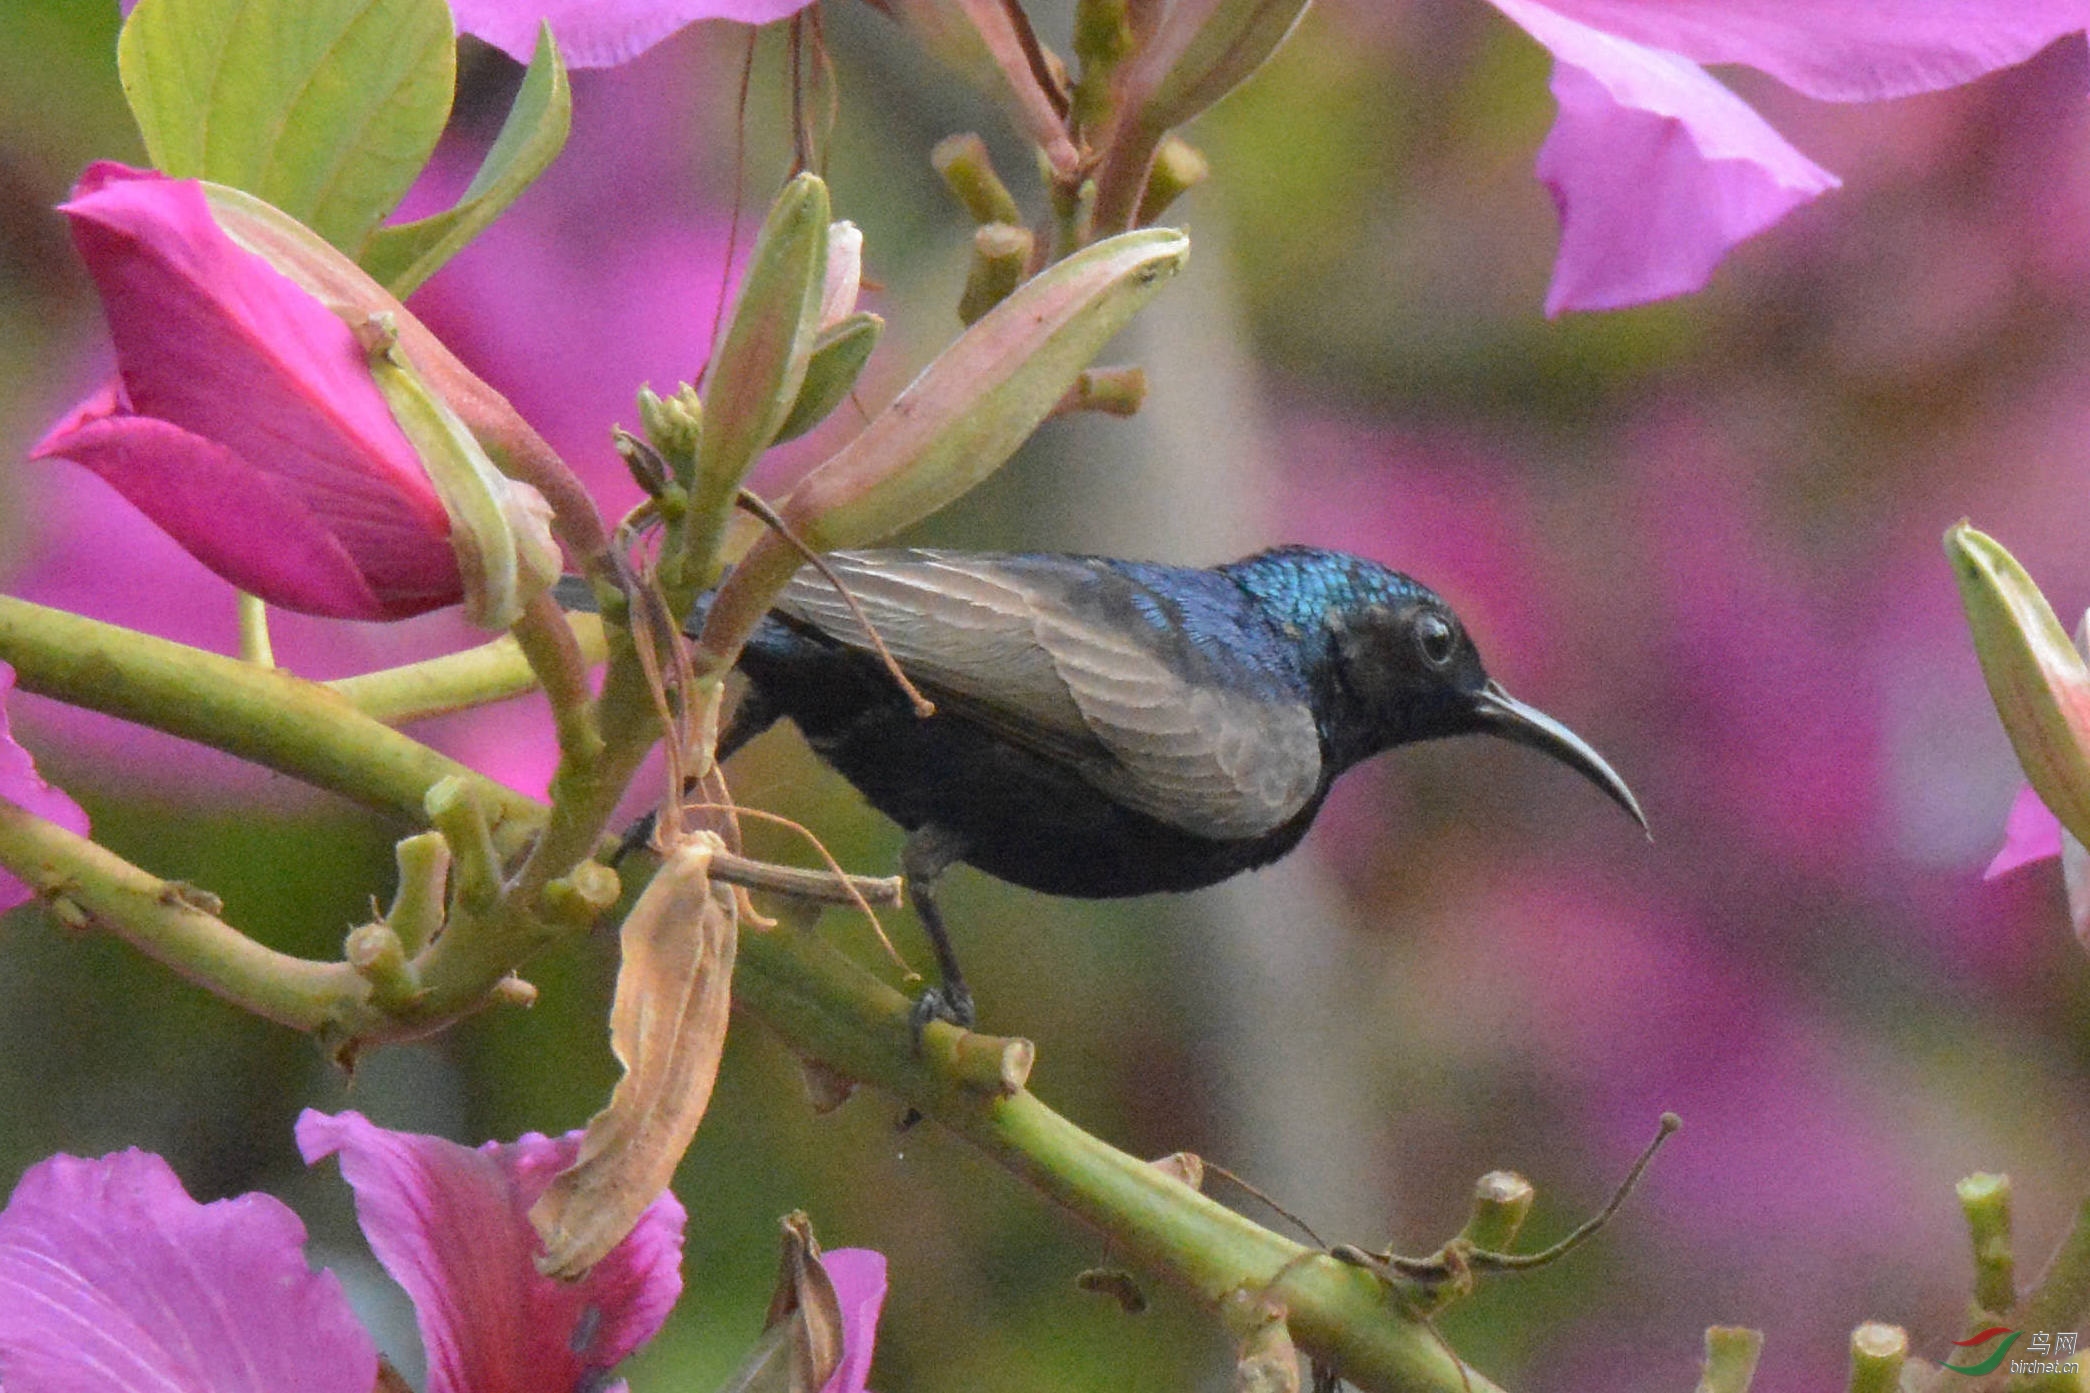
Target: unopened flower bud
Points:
(2038, 681)
(839, 355)
(845, 273)
(674, 426)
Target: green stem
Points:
(829, 1009)
(1985, 1200)
(254, 644)
(264, 715)
(168, 922)
(1878, 1354)
(458, 681)
(585, 792)
(1731, 1353)
(555, 658)
(1123, 176)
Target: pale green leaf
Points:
(403, 257)
(327, 109)
(838, 358)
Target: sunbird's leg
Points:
(929, 852)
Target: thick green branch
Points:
(166, 921)
(829, 1009)
(305, 730)
(260, 714)
(457, 681)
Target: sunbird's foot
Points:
(949, 1002)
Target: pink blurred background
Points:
(1706, 534)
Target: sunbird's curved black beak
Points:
(1502, 714)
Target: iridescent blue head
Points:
(1395, 666)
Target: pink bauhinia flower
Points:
(22, 786)
(602, 33)
(452, 1226)
(243, 418)
(113, 1279)
(1658, 170)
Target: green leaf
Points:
(327, 109)
(403, 257)
(839, 355)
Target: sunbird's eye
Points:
(1434, 636)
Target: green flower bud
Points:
(2036, 677)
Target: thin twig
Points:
(1264, 1199)
(1513, 1262)
(801, 139)
(824, 887)
(862, 903)
(830, 82)
(725, 275)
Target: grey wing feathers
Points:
(997, 640)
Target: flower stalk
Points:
(829, 1009)
(490, 672)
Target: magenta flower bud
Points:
(243, 419)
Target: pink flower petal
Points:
(859, 1278)
(1657, 169)
(212, 340)
(2031, 833)
(21, 785)
(112, 1280)
(451, 1225)
(1843, 50)
(237, 520)
(602, 33)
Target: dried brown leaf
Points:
(805, 1299)
(668, 1030)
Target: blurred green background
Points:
(1703, 533)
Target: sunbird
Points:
(1107, 728)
